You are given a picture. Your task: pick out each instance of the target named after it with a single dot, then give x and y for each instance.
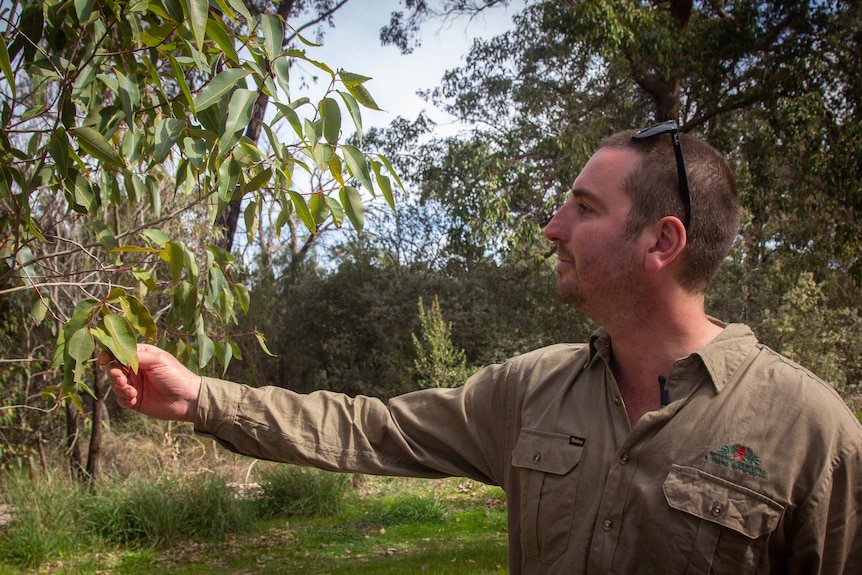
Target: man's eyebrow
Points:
(581, 193)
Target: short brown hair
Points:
(653, 188)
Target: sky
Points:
(354, 45)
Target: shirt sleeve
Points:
(427, 433)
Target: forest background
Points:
(160, 184)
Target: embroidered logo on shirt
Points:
(738, 458)
(579, 441)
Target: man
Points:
(671, 443)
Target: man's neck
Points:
(644, 350)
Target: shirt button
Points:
(624, 458)
(537, 458)
(618, 400)
(716, 509)
(607, 524)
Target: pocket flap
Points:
(720, 501)
(546, 451)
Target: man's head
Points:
(654, 189)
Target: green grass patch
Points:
(196, 525)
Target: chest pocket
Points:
(547, 464)
(727, 525)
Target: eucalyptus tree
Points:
(122, 143)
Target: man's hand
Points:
(163, 388)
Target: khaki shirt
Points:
(754, 466)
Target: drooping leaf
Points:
(242, 296)
(121, 340)
(261, 340)
(217, 31)
(273, 35)
(363, 96)
(139, 317)
(357, 166)
(198, 15)
(167, 133)
(239, 110)
(352, 202)
(302, 210)
(383, 183)
(206, 349)
(330, 113)
(6, 67)
(81, 345)
(355, 112)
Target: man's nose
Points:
(556, 230)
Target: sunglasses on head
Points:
(671, 128)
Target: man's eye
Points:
(583, 208)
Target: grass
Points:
(196, 525)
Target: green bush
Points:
(289, 491)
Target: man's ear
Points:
(665, 241)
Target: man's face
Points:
(596, 262)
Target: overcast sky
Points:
(354, 45)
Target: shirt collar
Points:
(721, 357)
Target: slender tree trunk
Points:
(94, 453)
(73, 447)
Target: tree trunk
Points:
(94, 453)
(73, 447)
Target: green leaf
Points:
(220, 86)
(363, 96)
(322, 154)
(81, 345)
(352, 202)
(281, 68)
(383, 183)
(6, 67)
(198, 14)
(95, 144)
(157, 237)
(180, 78)
(355, 112)
(273, 35)
(139, 317)
(336, 210)
(224, 354)
(330, 113)
(206, 349)
(38, 310)
(120, 340)
(302, 211)
(219, 34)
(350, 79)
(242, 296)
(104, 235)
(394, 174)
(252, 210)
(83, 9)
(357, 166)
(167, 133)
(239, 110)
(228, 176)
